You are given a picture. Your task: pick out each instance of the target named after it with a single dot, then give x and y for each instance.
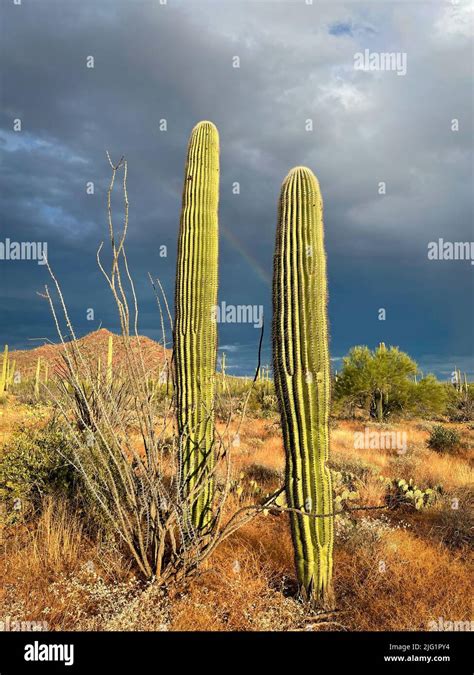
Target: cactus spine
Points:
(302, 378)
(195, 329)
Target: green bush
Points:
(443, 439)
(33, 465)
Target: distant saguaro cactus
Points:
(38, 378)
(3, 377)
(302, 378)
(195, 329)
(11, 375)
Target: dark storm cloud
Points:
(296, 63)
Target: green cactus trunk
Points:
(302, 378)
(379, 406)
(195, 328)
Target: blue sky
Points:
(175, 62)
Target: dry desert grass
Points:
(394, 569)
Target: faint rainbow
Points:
(245, 253)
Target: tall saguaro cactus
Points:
(195, 329)
(302, 378)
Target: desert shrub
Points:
(245, 488)
(262, 401)
(443, 439)
(228, 404)
(362, 533)
(460, 404)
(455, 521)
(406, 464)
(232, 386)
(343, 526)
(356, 466)
(255, 480)
(236, 396)
(24, 391)
(342, 406)
(33, 465)
(264, 474)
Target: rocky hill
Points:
(93, 346)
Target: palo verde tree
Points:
(378, 381)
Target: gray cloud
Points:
(296, 62)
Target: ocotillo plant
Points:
(302, 378)
(195, 329)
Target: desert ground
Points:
(396, 567)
